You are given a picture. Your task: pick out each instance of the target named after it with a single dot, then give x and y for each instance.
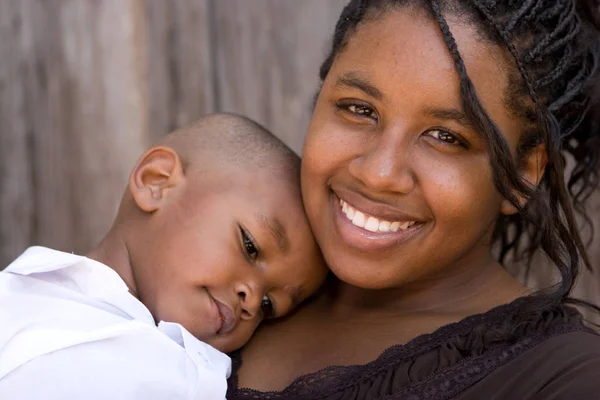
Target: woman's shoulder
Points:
(581, 343)
(481, 354)
(563, 366)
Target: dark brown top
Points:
(502, 354)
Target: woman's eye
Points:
(444, 136)
(360, 110)
(266, 307)
(249, 246)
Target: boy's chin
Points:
(227, 343)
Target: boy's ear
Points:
(532, 170)
(156, 172)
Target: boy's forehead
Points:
(273, 225)
(277, 187)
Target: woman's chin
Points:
(365, 276)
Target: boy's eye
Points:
(250, 246)
(267, 308)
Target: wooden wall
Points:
(86, 86)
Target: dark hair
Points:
(555, 47)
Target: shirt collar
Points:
(92, 278)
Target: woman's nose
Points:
(385, 167)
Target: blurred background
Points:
(87, 85)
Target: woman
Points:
(438, 137)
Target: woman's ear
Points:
(532, 170)
(157, 171)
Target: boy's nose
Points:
(250, 297)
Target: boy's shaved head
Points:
(230, 140)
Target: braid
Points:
(557, 72)
(508, 169)
(500, 152)
(534, 11)
(551, 12)
(520, 14)
(567, 29)
(555, 47)
(567, 20)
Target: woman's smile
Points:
(368, 226)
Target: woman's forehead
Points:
(409, 41)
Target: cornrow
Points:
(555, 48)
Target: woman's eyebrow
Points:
(449, 114)
(356, 80)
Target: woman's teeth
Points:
(370, 223)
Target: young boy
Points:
(210, 239)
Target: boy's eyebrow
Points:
(295, 293)
(274, 226)
(358, 81)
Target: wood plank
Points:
(16, 183)
(84, 70)
(180, 72)
(268, 56)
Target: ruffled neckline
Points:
(491, 337)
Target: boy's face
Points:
(225, 252)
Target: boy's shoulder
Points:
(64, 269)
(67, 315)
(50, 300)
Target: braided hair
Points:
(555, 46)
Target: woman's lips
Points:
(369, 240)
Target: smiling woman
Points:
(439, 131)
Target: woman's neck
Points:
(467, 288)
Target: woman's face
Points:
(396, 183)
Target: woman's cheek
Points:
(458, 189)
(329, 145)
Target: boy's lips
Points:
(224, 316)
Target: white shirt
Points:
(69, 329)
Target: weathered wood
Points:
(588, 284)
(84, 112)
(180, 71)
(16, 185)
(268, 55)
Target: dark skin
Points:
(387, 138)
(216, 249)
